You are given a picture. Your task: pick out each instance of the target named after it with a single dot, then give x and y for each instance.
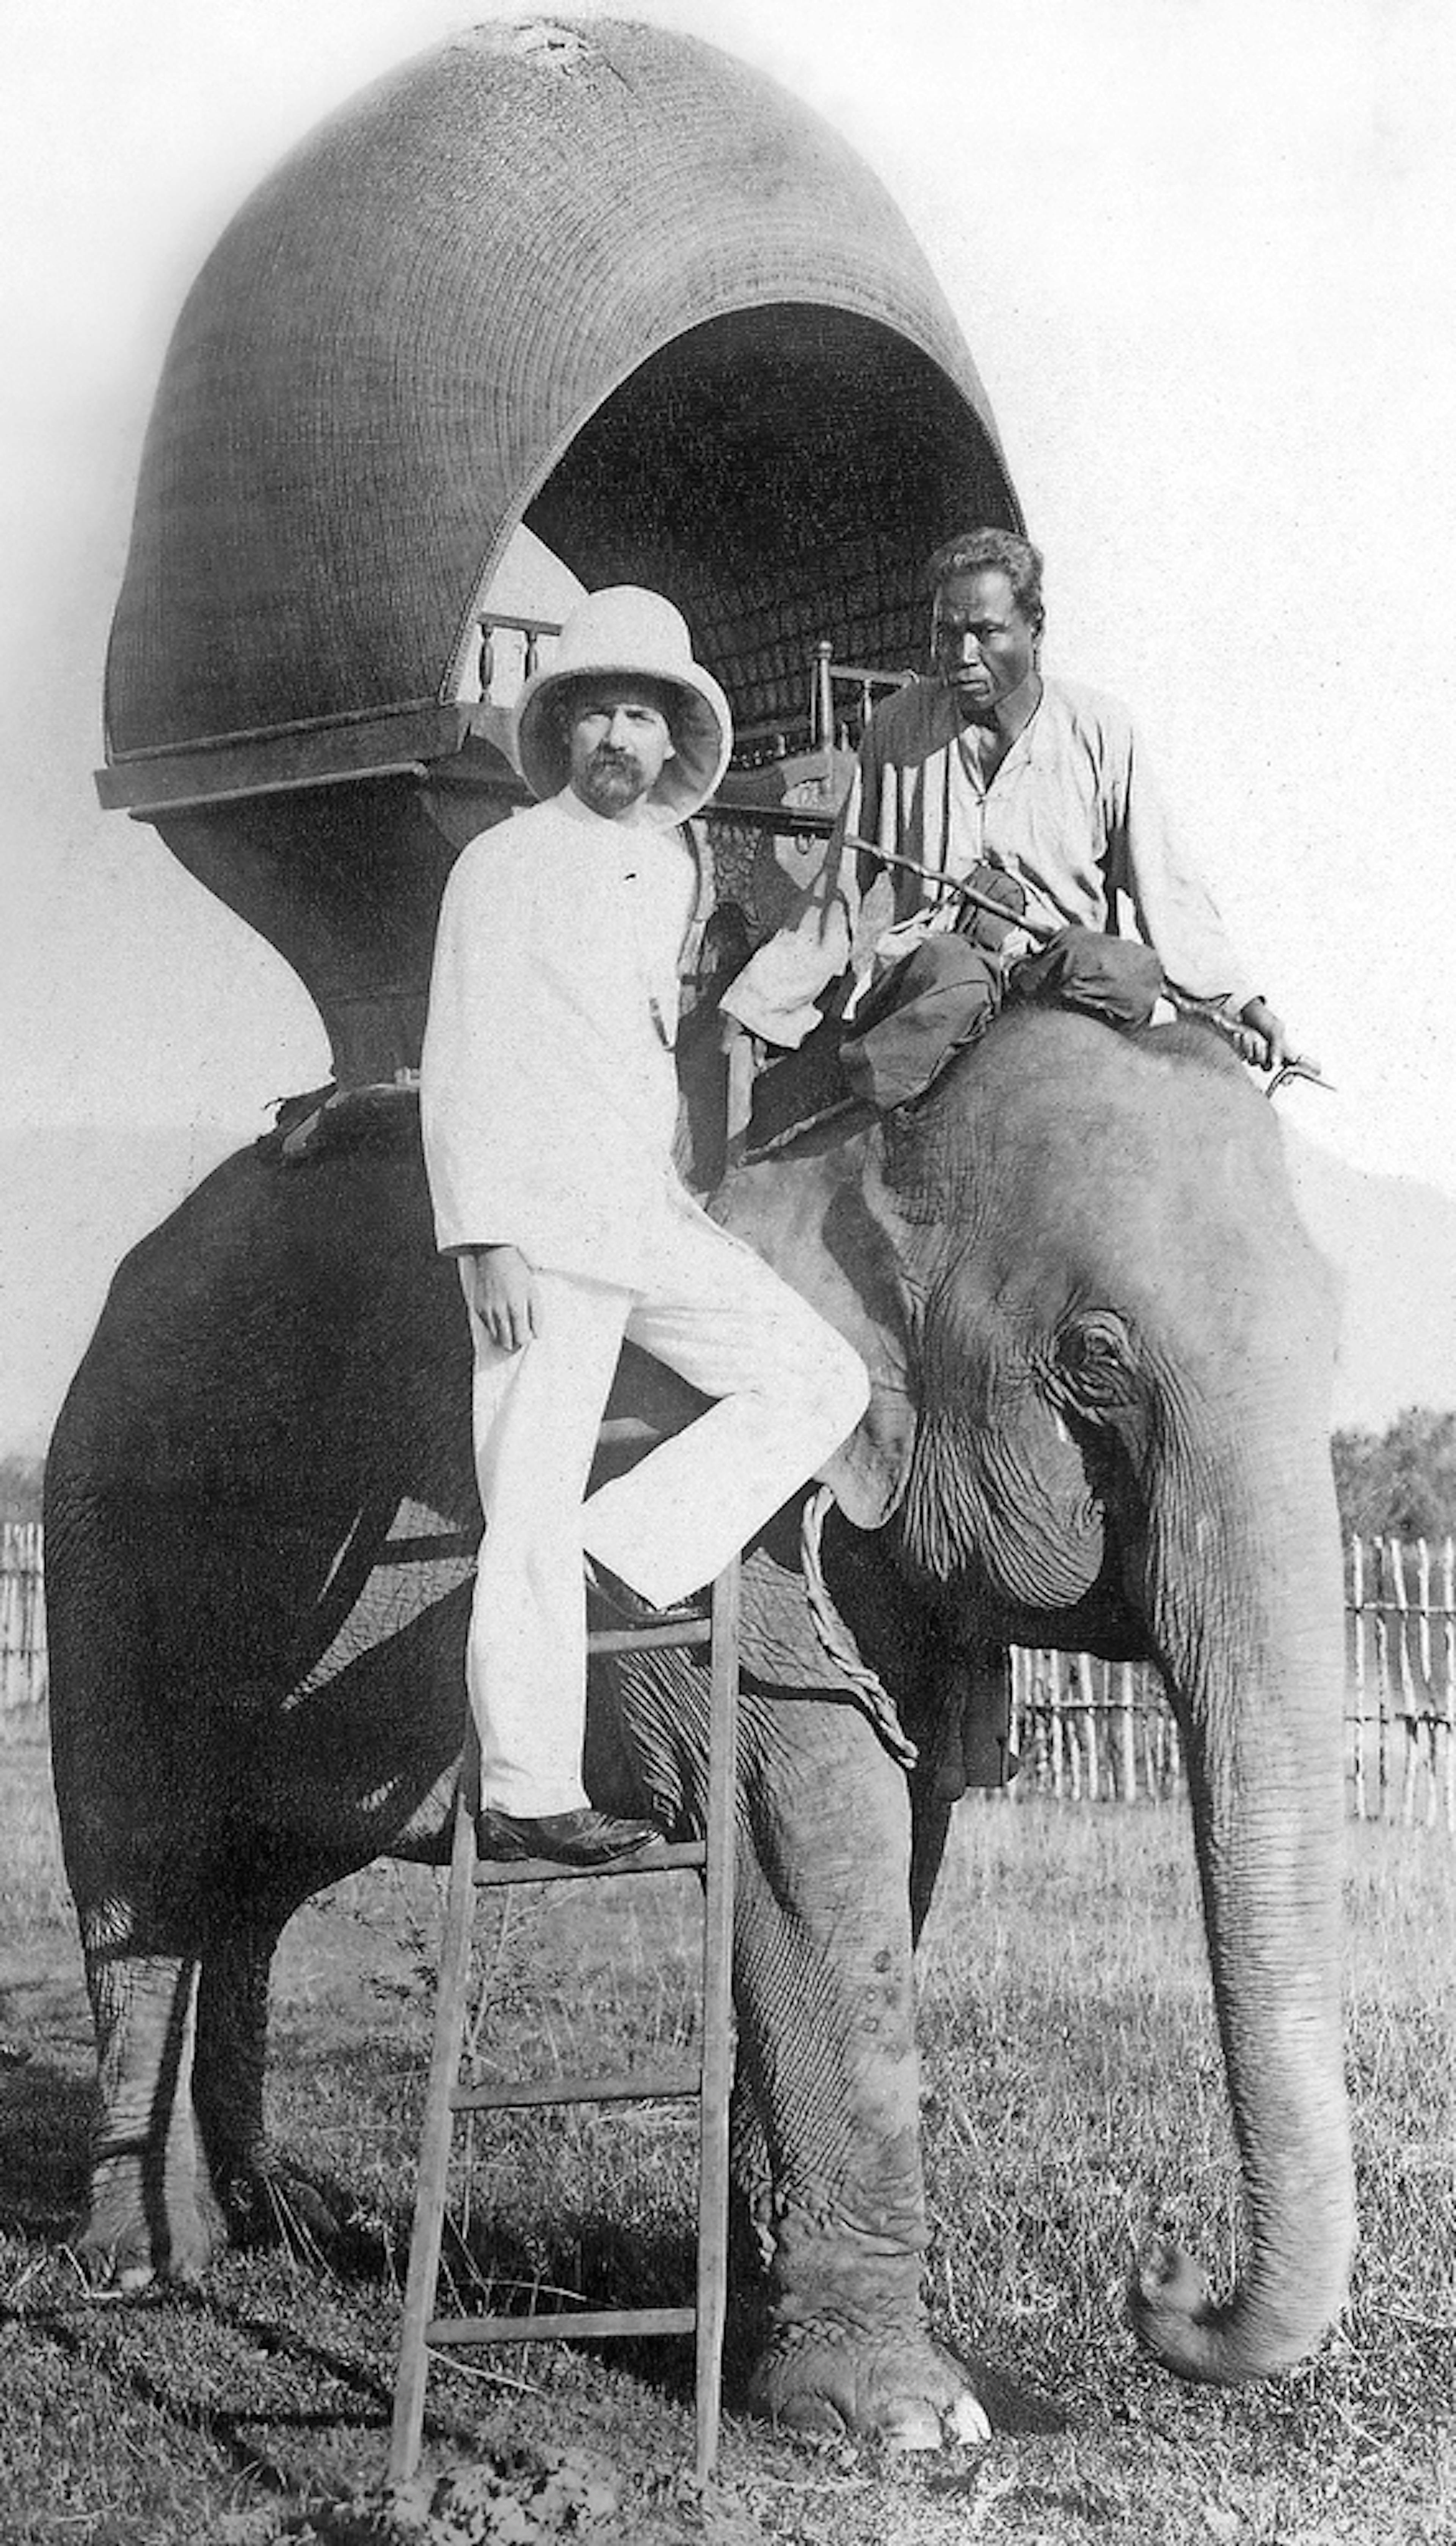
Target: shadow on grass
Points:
(141, 2349)
(226, 2428)
(1012, 2408)
(45, 2121)
(583, 2259)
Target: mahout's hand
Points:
(1263, 1037)
(503, 1293)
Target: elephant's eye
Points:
(1097, 1357)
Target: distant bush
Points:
(20, 1486)
(1399, 1484)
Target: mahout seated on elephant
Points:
(1037, 794)
(1101, 1347)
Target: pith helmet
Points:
(625, 629)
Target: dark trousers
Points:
(942, 995)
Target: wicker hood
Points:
(404, 333)
(597, 277)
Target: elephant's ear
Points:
(827, 1223)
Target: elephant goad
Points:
(1101, 1347)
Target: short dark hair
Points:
(997, 551)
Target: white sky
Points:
(1203, 254)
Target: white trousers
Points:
(789, 1390)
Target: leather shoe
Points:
(610, 1594)
(585, 1837)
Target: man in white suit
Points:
(549, 1104)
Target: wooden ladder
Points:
(709, 2081)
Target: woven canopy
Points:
(598, 276)
(595, 278)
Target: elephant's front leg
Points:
(151, 2213)
(826, 2012)
(263, 2201)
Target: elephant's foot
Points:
(898, 2387)
(131, 2241)
(132, 2238)
(266, 2203)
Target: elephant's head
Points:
(1084, 1301)
(966, 1446)
(1100, 1347)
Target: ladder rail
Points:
(437, 2133)
(422, 2331)
(720, 1828)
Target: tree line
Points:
(1399, 1483)
(20, 1486)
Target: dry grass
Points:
(1073, 2099)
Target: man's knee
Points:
(931, 1004)
(1116, 978)
(835, 1384)
(948, 962)
(850, 1387)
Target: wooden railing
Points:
(1401, 1702)
(23, 1676)
(1103, 1732)
(1091, 1732)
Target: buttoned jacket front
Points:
(549, 1088)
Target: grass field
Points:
(1073, 2099)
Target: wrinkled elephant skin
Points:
(1100, 1348)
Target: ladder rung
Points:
(649, 1639)
(648, 2086)
(584, 2326)
(549, 1869)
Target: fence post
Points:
(1448, 1694)
(1430, 1722)
(1017, 1735)
(1382, 1679)
(1087, 1721)
(1409, 1719)
(23, 1658)
(1356, 1613)
(1126, 1744)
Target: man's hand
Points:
(503, 1293)
(1264, 1038)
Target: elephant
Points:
(1100, 1347)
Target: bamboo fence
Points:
(1085, 1731)
(1401, 1682)
(1103, 1732)
(23, 1675)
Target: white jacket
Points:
(549, 1092)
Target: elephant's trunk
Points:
(1258, 1684)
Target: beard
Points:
(611, 781)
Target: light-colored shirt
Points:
(1072, 811)
(549, 1092)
